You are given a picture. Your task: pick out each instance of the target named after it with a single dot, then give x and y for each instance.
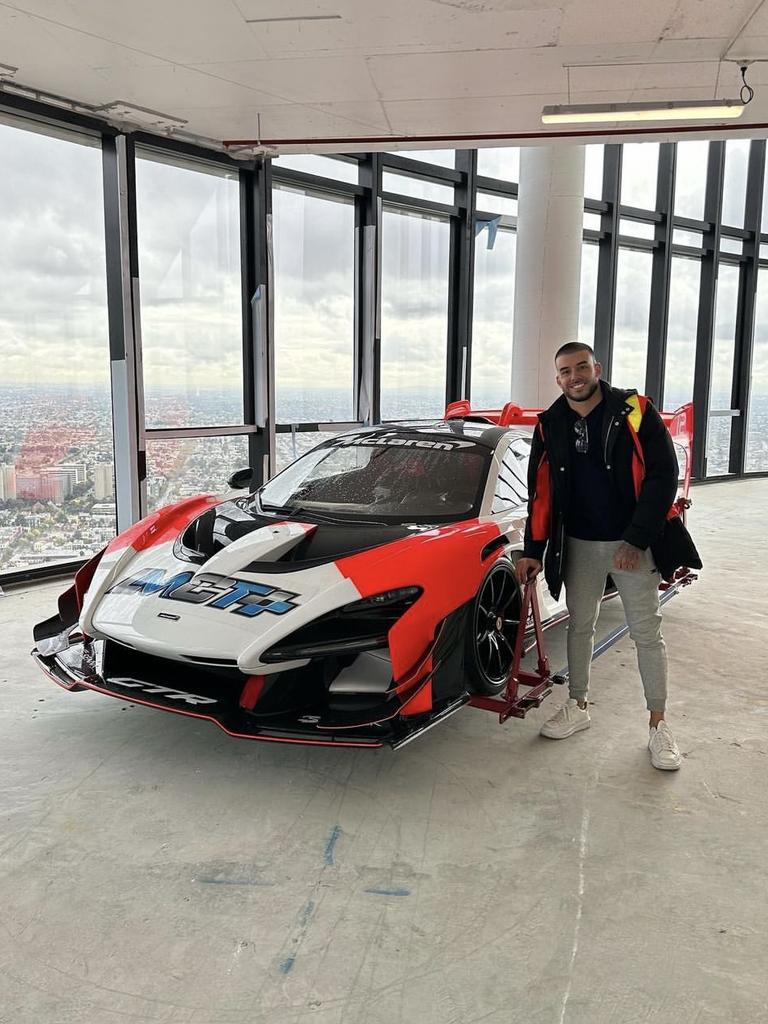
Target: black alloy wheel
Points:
(495, 619)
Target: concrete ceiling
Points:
(310, 75)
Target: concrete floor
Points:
(152, 869)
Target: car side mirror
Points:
(241, 479)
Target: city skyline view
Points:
(56, 448)
(57, 483)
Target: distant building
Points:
(104, 481)
(77, 470)
(60, 482)
(7, 483)
(38, 487)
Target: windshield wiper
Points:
(333, 520)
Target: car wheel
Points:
(494, 623)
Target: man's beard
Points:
(585, 395)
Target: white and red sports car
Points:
(357, 598)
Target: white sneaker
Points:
(570, 718)
(664, 752)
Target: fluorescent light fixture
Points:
(674, 110)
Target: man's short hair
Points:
(574, 346)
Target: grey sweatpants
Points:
(588, 564)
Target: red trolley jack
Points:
(537, 686)
(515, 702)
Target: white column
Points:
(548, 267)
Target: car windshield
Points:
(392, 478)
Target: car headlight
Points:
(360, 626)
(383, 600)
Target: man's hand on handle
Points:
(527, 570)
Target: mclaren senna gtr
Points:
(359, 597)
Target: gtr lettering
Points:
(222, 592)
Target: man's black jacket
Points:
(645, 514)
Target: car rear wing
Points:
(510, 415)
(679, 423)
(680, 426)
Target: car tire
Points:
(493, 624)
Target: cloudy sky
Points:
(53, 324)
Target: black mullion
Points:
(497, 186)
(660, 275)
(605, 301)
(121, 251)
(745, 322)
(163, 145)
(358, 285)
(55, 116)
(420, 169)
(370, 327)
(248, 242)
(460, 294)
(713, 201)
(426, 206)
(255, 220)
(314, 182)
(637, 213)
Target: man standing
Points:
(602, 479)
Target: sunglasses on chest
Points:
(582, 436)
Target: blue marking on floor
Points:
(232, 881)
(331, 844)
(306, 914)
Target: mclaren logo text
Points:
(392, 441)
(223, 592)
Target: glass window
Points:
(692, 238)
(718, 445)
(588, 292)
(392, 480)
(691, 179)
(291, 446)
(404, 185)
(414, 314)
(636, 228)
(191, 317)
(630, 338)
(512, 484)
(593, 172)
(441, 157)
(731, 245)
(724, 339)
(502, 163)
(324, 166)
(493, 316)
(719, 433)
(183, 467)
(488, 202)
(682, 328)
(735, 182)
(592, 221)
(757, 423)
(764, 213)
(56, 452)
(314, 252)
(639, 169)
